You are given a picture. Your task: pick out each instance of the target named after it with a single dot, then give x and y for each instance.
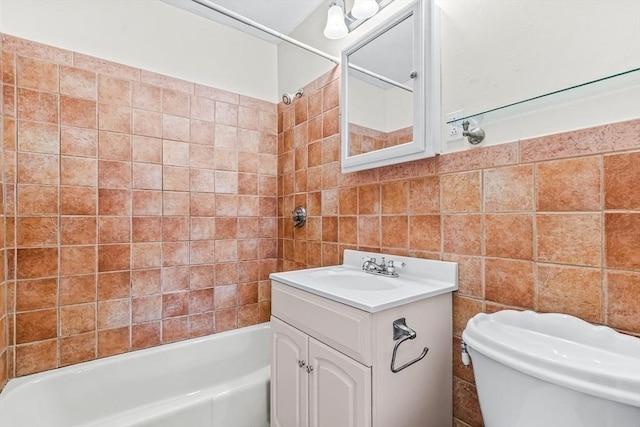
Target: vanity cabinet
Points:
(331, 363)
(314, 384)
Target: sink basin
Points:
(355, 280)
(349, 284)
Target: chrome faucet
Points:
(385, 268)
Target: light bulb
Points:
(336, 28)
(364, 9)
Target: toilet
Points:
(552, 370)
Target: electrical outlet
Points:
(454, 126)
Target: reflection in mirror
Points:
(381, 112)
(388, 77)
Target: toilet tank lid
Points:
(561, 349)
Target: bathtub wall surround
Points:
(547, 224)
(4, 370)
(141, 209)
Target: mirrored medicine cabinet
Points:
(391, 91)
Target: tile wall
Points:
(140, 209)
(550, 224)
(3, 286)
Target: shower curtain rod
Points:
(233, 15)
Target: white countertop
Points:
(350, 285)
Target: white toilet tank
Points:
(553, 370)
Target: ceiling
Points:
(282, 16)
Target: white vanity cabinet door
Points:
(339, 389)
(289, 380)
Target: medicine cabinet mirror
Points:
(391, 91)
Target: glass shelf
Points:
(613, 83)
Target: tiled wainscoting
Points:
(550, 224)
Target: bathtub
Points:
(220, 380)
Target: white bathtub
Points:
(220, 380)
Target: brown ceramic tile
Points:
(36, 263)
(201, 300)
(461, 192)
(146, 229)
(146, 97)
(114, 257)
(112, 90)
(103, 66)
(572, 290)
(147, 176)
(146, 282)
(147, 255)
(395, 196)
(77, 260)
(509, 282)
(175, 203)
(77, 319)
(34, 74)
(424, 232)
(36, 357)
(114, 146)
(348, 229)
(478, 158)
(78, 201)
(78, 112)
(226, 319)
(36, 294)
(77, 230)
(469, 274)
(248, 315)
(621, 179)
(369, 231)
(175, 253)
(424, 195)
(465, 403)
(508, 189)
(330, 228)
(114, 285)
(114, 229)
(562, 145)
(462, 234)
(175, 304)
(38, 137)
(147, 123)
(622, 135)
(115, 118)
(146, 149)
(569, 238)
(145, 335)
(77, 289)
(569, 185)
(38, 169)
(78, 83)
(175, 279)
(622, 303)
(114, 174)
(166, 82)
(78, 141)
(147, 202)
(394, 231)
(114, 202)
(509, 236)
(622, 240)
(37, 231)
(175, 102)
(113, 341)
(37, 199)
(202, 156)
(78, 171)
(146, 309)
(463, 310)
(201, 276)
(113, 313)
(36, 325)
(175, 329)
(201, 325)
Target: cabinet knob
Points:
(301, 363)
(309, 369)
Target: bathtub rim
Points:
(15, 384)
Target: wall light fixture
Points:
(339, 24)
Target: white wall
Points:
(151, 35)
(496, 52)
